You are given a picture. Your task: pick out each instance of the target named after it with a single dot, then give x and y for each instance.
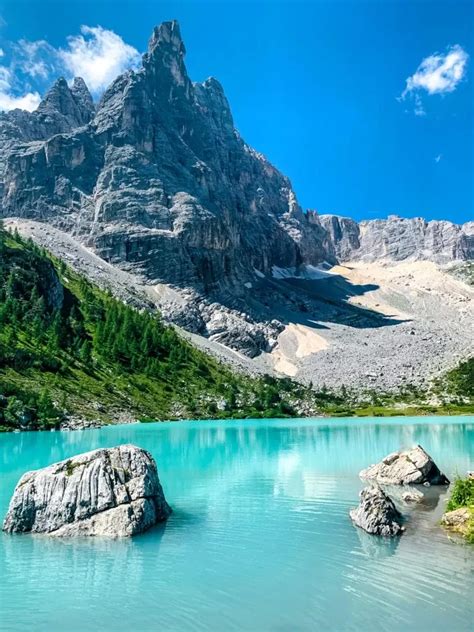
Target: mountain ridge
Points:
(397, 238)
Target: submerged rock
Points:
(403, 494)
(411, 467)
(377, 513)
(111, 492)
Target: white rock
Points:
(111, 492)
(409, 467)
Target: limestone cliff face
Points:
(399, 239)
(160, 181)
(62, 110)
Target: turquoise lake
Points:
(260, 537)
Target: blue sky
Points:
(315, 86)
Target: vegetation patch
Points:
(71, 466)
(462, 498)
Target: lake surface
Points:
(260, 537)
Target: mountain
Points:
(62, 110)
(162, 181)
(399, 239)
(154, 195)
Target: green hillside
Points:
(68, 348)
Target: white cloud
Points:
(437, 74)
(438, 158)
(98, 56)
(9, 101)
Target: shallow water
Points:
(260, 537)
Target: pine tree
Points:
(85, 353)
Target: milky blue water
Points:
(259, 540)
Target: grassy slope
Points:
(97, 358)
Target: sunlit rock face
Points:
(399, 239)
(159, 181)
(107, 492)
(63, 109)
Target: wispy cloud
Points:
(97, 55)
(35, 59)
(438, 158)
(437, 74)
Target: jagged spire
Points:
(164, 61)
(167, 35)
(83, 98)
(74, 103)
(56, 96)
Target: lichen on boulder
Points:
(107, 492)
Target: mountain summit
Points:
(160, 180)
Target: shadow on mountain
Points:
(317, 302)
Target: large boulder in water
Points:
(411, 467)
(377, 513)
(110, 492)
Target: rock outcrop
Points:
(377, 513)
(107, 492)
(459, 521)
(410, 467)
(62, 110)
(399, 239)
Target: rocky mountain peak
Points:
(56, 97)
(164, 61)
(83, 98)
(167, 35)
(73, 104)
